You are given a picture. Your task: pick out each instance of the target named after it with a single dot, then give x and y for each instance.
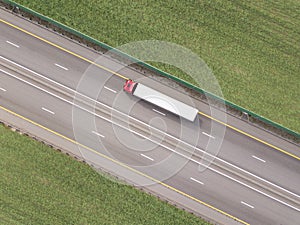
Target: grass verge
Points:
(251, 46)
(41, 186)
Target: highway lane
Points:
(119, 83)
(50, 107)
(90, 55)
(211, 189)
(256, 162)
(232, 140)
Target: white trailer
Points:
(161, 100)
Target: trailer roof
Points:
(168, 103)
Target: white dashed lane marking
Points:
(199, 182)
(110, 89)
(62, 67)
(13, 44)
(246, 204)
(96, 133)
(159, 112)
(47, 110)
(147, 157)
(255, 157)
(208, 135)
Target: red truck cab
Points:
(129, 86)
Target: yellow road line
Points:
(123, 77)
(63, 49)
(251, 136)
(123, 165)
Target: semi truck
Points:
(161, 100)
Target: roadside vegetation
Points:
(251, 46)
(41, 186)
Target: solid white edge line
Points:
(107, 88)
(147, 157)
(96, 133)
(197, 181)
(47, 110)
(62, 67)
(246, 204)
(13, 44)
(159, 112)
(208, 135)
(156, 142)
(145, 124)
(255, 157)
(2, 89)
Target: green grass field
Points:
(41, 186)
(251, 46)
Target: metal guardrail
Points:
(15, 6)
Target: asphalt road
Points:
(248, 179)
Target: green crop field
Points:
(41, 186)
(251, 46)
